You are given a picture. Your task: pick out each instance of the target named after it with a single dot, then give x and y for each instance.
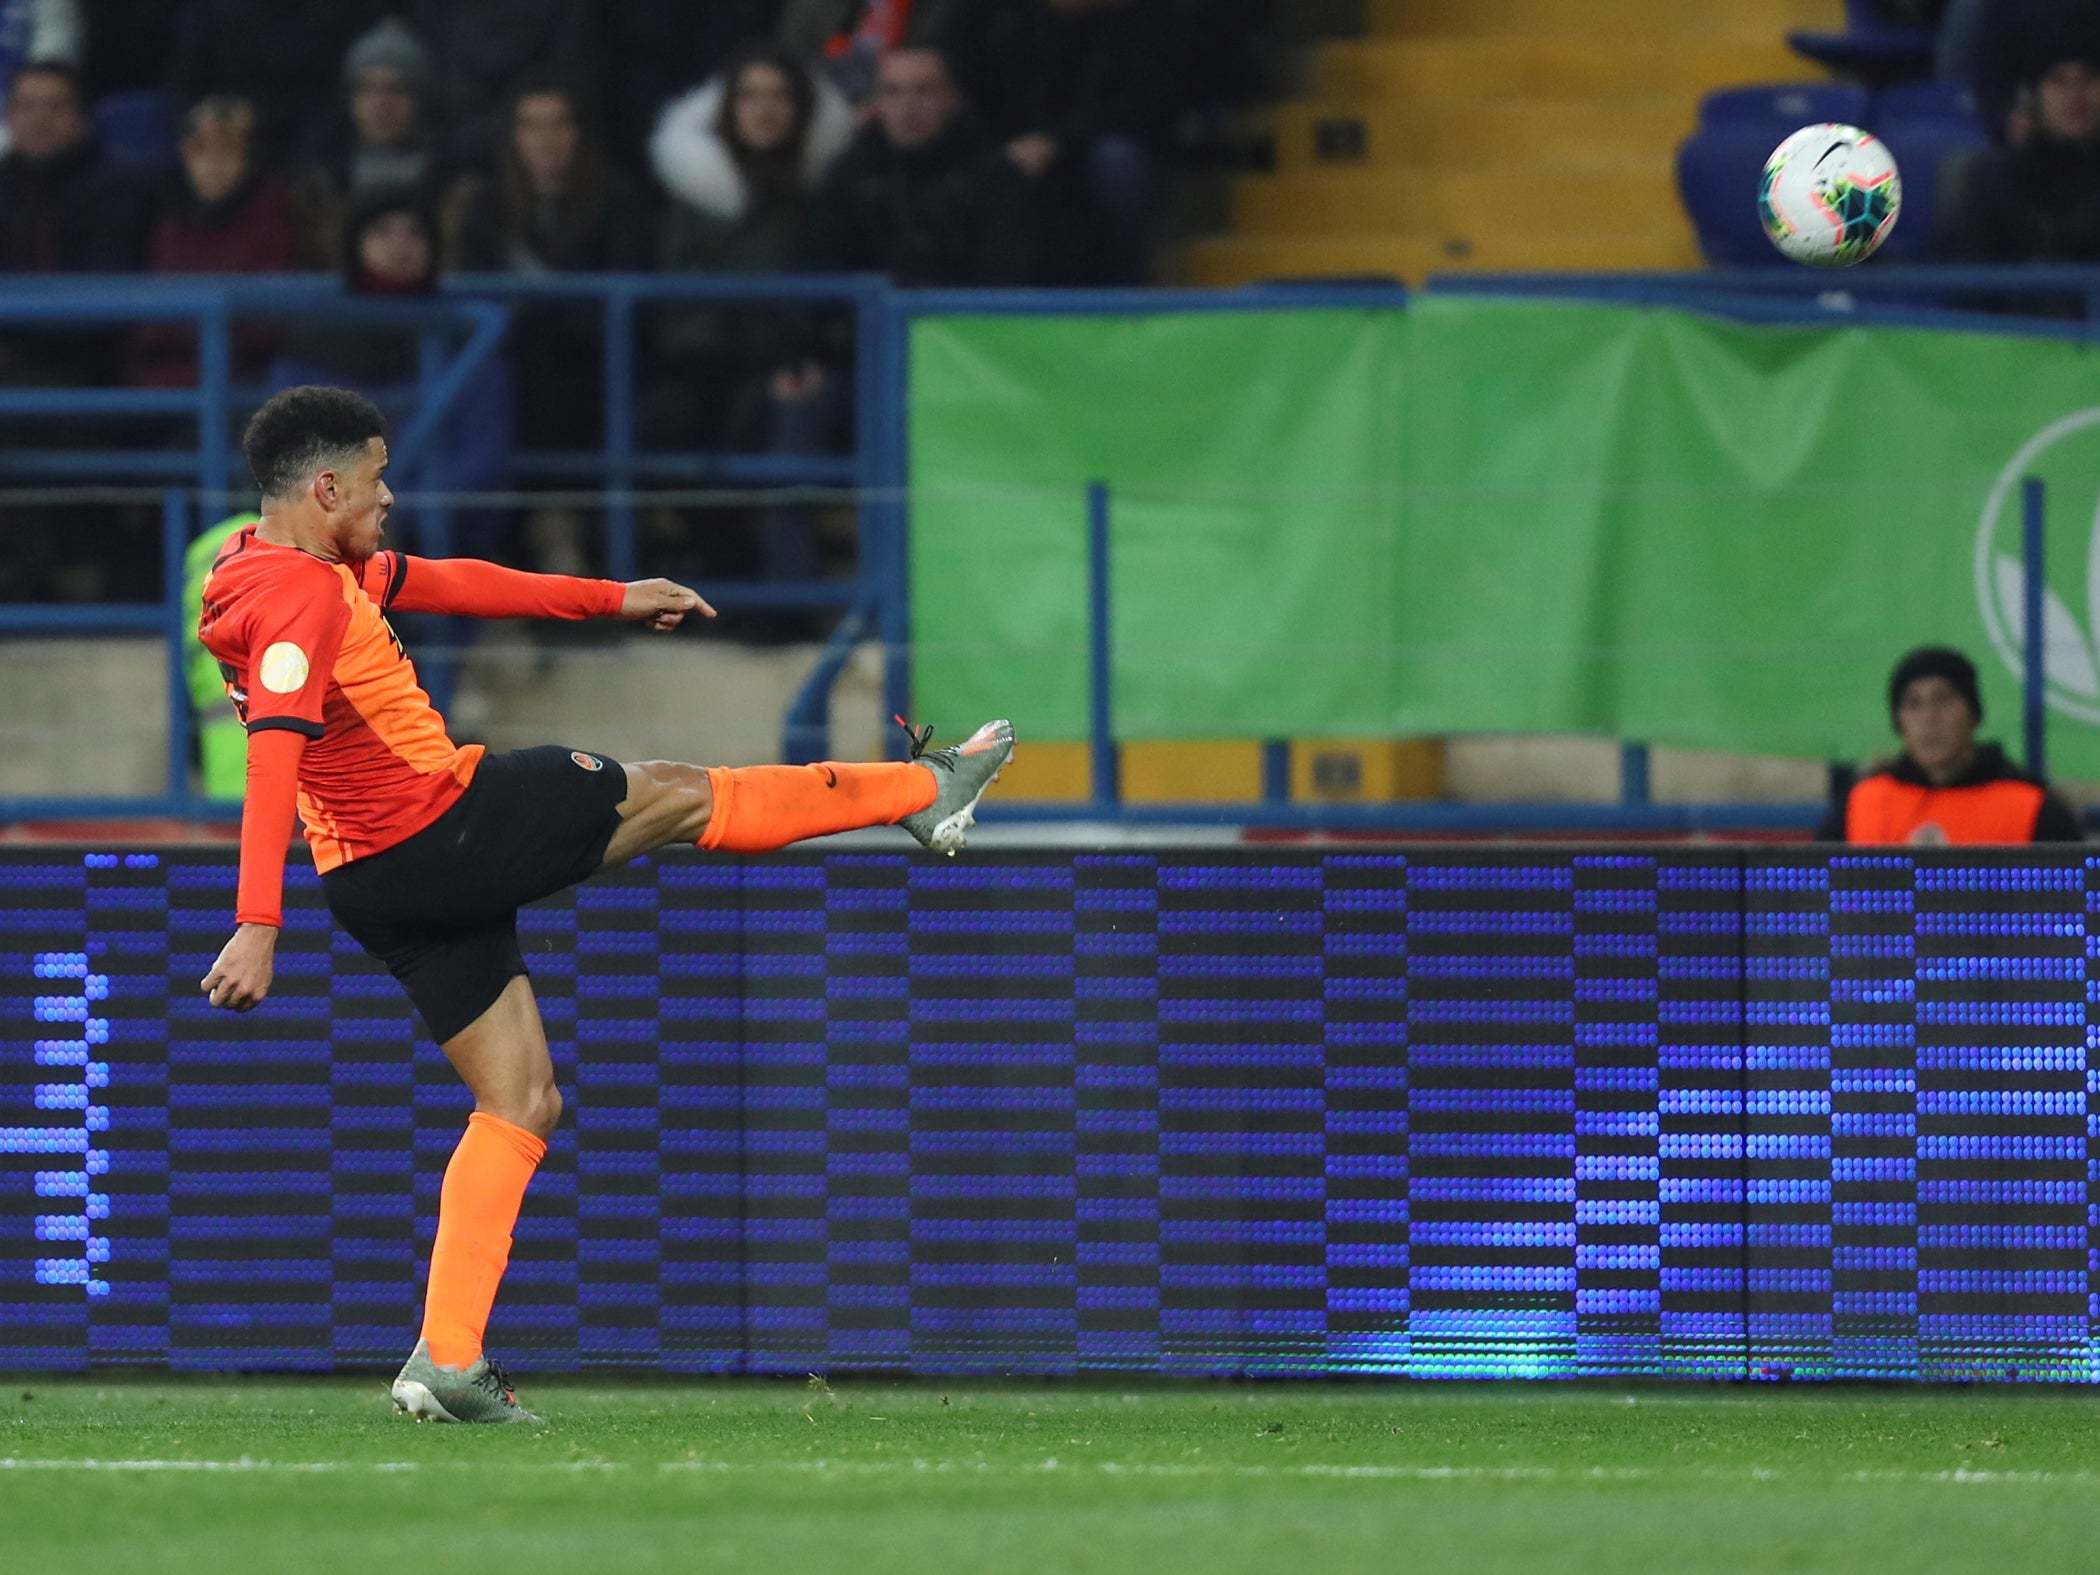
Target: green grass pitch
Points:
(245, 1474)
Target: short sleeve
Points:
(292, 644)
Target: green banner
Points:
(1496, 516)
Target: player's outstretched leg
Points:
(757, 809)
(502, 1056)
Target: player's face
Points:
(363, 501)
(1937, 727)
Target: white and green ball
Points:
(1830, 195)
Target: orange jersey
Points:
(304, 645)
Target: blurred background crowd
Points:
(392, 143)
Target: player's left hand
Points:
(661, 604)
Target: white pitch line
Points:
(1368, 1472)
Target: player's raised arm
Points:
(469, 587)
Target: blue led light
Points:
(1485, 1114)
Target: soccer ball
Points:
(1830, 195)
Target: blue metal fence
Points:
(464, 325)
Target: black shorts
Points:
(441, 909)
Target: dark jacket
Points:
(1026, 68)
(2038, 203)
(249, 231)
(1993, 801)
(2034, 204)
(727, 218)
(70, 214)
(955, 212)
(612, 234)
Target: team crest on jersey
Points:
(588, 762)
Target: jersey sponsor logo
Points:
(588, 762)
(283, 669)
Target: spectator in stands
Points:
(1945, 787)
(658, 50)
(845, 39)
(62, 210)
(390, 249)
(381, 136)
(2037, 199)
(489, 46)
(277, 54)
(924, 194)
(554, 205)
(2001, 48)
(223, 217)
(740, 157)
(37, 30)
(1081, 92)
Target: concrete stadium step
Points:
(1575, 66)
(1338, 201)
(1627, 18)
(1460, 133)
(1245, 259)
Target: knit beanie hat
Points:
(1935, 661)
(389, 47)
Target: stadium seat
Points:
(1929, 127)
(1869, 47)
(1718, 169)
(1785, 105)
(137, 130)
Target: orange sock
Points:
(760, 808)
(484, 1184)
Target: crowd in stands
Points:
(939, 142)
(562, 134)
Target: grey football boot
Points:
(964, 771)
(480, 1393)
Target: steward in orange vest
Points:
(1945, 788)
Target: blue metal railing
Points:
(462, 326)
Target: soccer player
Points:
(427, 849)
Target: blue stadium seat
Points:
(1718, 169)
(1929, 126)
(1785, 105)
(1870, 47)
(137, 129)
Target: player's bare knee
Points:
(680, 798)
(543, 1113)
(696, 806)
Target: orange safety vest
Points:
(1883, 808)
